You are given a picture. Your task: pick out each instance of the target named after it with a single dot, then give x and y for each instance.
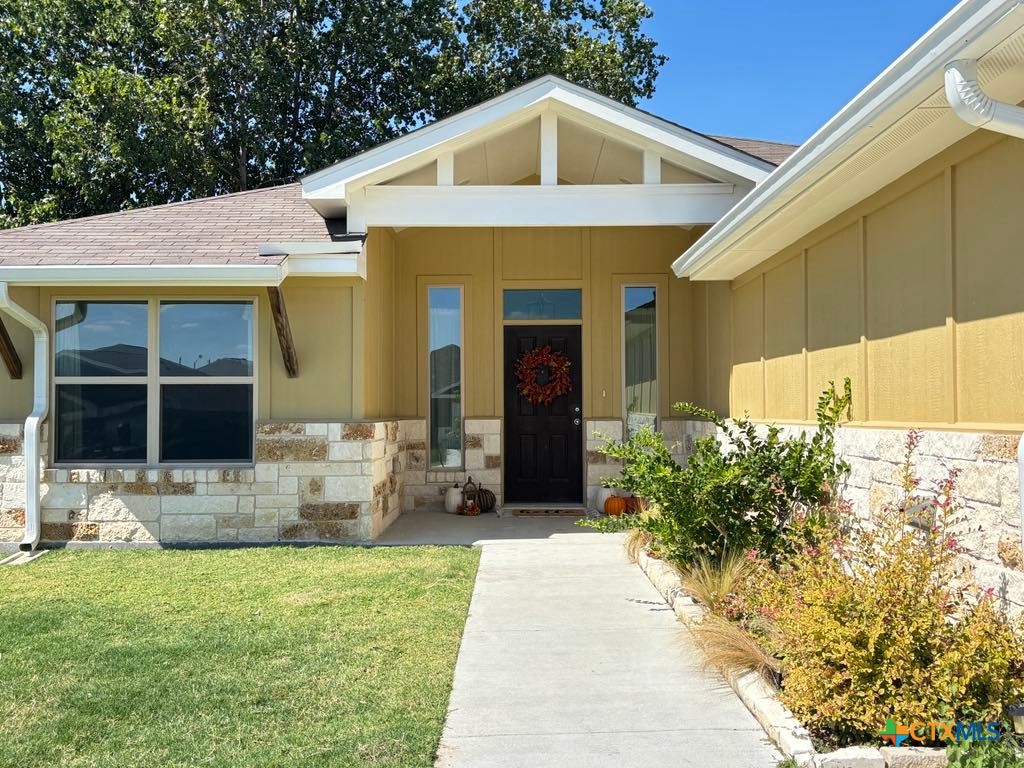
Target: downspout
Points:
(972, 105)
(40, 406)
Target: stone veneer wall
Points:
(322, 481)
(600, 466)
(12, 484)
(679, 435)
(988, 486)
(425, 486)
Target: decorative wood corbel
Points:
(284, 331)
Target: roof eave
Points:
(305, 264)
(968, 30)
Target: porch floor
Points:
(571, 657)
(414, 528)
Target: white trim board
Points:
(544, 206)
(296, 265)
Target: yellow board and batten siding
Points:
(362, 344)
(323, 319)
(916, 294)
(16, 394)
(485, 262)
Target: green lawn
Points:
(245, 657)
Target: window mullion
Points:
(153, 386)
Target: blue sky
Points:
(728, 60)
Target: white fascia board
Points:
(145, 274)
(346, 258)
(318, 184)
(518, 105)
(552, 206)
(354, 245)
(972, 28)
(661, 133)
(326, 265)
(330, 263)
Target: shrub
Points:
(1004, 753)
(736, 496)
(871, 621)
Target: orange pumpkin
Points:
(615, 506)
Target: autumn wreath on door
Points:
(543, 375)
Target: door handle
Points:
(576, 422)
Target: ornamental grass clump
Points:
(875, 618)
(733, 651)
(715, 583)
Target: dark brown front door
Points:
(543, 443)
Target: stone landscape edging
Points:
(781, 725)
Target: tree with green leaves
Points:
(112, 104)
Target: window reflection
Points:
(206, 422)
(100, 338)
(640, 342)
(444, 328)
(206, 339)
(530, 304)
(101, 422)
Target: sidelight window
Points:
(444, 364)
(640, 357)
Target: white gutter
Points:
(327, 261)
(353, 245)
(961, 32)
(40, 406)
(144, 274)
(971, 104)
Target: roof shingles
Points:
(226, 229)
(773, 152)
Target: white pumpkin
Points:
(602, 496)
(452, 499)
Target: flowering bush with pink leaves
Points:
(874, 618)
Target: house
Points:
(309, 361)
(305, 362)
(888, 249)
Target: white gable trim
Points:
(516, 107)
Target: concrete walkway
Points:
(571, 658)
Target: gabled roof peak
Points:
(693, 150)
